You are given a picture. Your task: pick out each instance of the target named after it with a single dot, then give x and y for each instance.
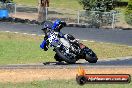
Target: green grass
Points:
(61, 84)
(71, 4)
(26, 2)
(107, 50)
(22, 49)
(125, 0)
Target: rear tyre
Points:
(57, 58)
(64, 57)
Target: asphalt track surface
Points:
(111, 36)
(117, 63)
(102, 35)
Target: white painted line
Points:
(78, 39)
(7, 31)
(101, 42)
(25, 33)
(41, 35)
(29, 34)
(16, 32)
(84, 40)
(117, 58)
(91, 41)
(33, 34)
(130, 46)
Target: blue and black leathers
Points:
(56, 26)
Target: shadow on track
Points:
(117, 62)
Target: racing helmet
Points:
(46, 27)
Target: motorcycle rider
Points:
(56, 26)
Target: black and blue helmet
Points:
(56, 24)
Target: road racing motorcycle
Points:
(67, 48)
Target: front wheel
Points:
(90, 56)
(91, 59)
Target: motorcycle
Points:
(69, 49)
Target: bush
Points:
(121, 4)
(128, 13)
(98, 5)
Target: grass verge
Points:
(23, 49)
(71, 4)
(61, 84)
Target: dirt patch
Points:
(24, 15)
(27, 75)
(34, 16)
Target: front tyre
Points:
(91, 59)
(90, 56)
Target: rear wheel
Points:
(57, 58)
(66, 57)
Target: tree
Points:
(4, 1)
(97, 5)
(87, 4)
(128, 13)
(42, 10)
(94, 11)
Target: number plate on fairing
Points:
(52, 37)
